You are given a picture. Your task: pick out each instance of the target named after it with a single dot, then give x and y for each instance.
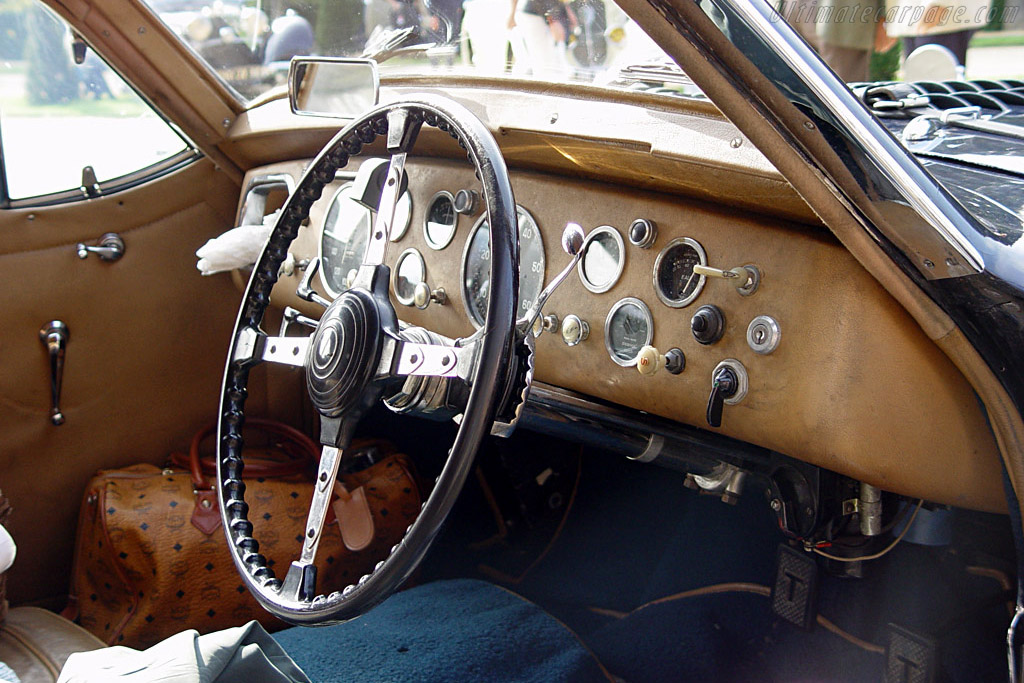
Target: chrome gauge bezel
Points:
(620, 266)
(465, 255)
(411, 251)
(433, 244)
(403, 217)
(608, 328)
(701, 279)
(324, 280)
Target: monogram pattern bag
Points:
(151, 558)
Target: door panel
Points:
(147, 337)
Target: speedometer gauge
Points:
(627, 329)
(476, 266)
(674, 280)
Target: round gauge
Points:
(674, 280)
(476, 266)
(403, 215)
(345, 234)
(627, 329)
(440, 220)
(602, 265)
(410, 270)
(343, 240)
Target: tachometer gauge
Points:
(476, 266)
(674, 281)
(345, 235)
(627, 329)
(602, 265)
(440, 220)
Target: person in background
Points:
(534, 46)
(848, 32)
(445, 20)
(919, 23)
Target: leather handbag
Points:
(151, 558)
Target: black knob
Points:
(707, 324)
(724, 384)
(466, 202)
(642, 233)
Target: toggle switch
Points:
(728, 387)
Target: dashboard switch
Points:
(745, 279)
(728, 387)
(466, 202)
(650, 360)
(642, 233)
(423, 296)
(574, 330)
(707, 324)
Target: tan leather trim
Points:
(25, 642)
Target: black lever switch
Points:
(723, 385)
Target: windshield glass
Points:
(249, 43)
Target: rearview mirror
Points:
(330, 86)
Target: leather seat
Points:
(35, 643)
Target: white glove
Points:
(7, 550)
(237, 248)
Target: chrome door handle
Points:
(54, 336)
(110, 248)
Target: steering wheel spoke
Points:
(429, 360)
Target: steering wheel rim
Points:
(400, 123)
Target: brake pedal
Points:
(795, 593)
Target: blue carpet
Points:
(458, 630)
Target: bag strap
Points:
(301, 450)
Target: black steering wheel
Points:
(357, 354)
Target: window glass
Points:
(57, 117)
(249, 42)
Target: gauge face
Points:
(674, 280)
(345, 236)
(627, 329)
(440, 220)
(343, 242)
(476, 267)
(602, 265)
(410, 270)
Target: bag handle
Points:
(301, 449)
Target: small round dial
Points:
(627, 329)
(602, 265)
(674, 280)
(476, 267)
(440, 220)
(410, 270)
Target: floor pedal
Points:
(909, 657)
(795, 593)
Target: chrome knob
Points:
(650, 360)
(466, 202)
(572, 238)
(574, 330)
(642, 233)
(423, 296)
